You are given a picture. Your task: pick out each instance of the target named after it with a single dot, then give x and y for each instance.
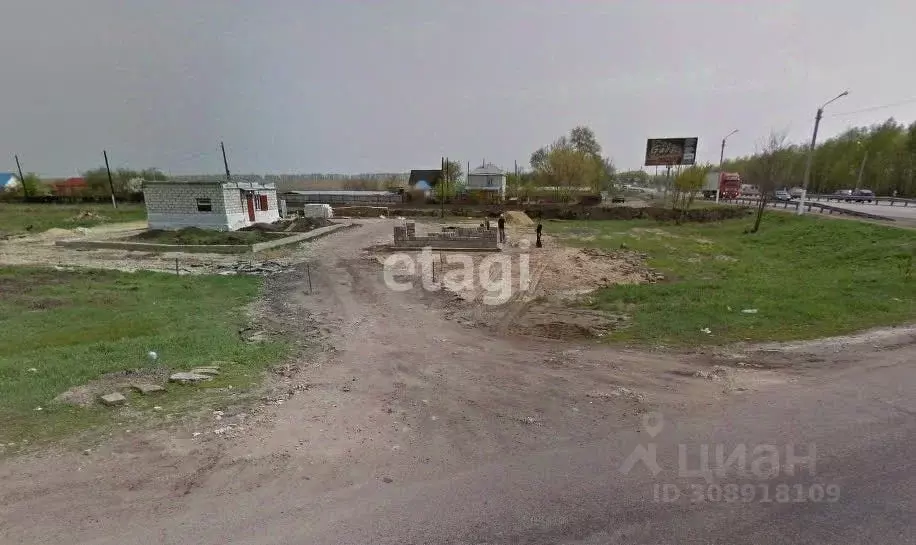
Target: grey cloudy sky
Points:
(350, 86)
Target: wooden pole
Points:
(21, 177)
(110, 181)
(225, 162)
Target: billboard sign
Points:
(671, 151)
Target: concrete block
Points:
(113, 399)
(147, 389)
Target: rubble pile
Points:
(253, 268)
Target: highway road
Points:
(897, 211)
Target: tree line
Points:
(572, 164)
(127, 184)
(879, 157)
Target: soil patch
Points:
(86, 395)
(17, 284)
(534, 291)
(297, 225)
(197, 236)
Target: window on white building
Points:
(204, 205)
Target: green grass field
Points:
(71, 327)
(806, 278)
(35, 218)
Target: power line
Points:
(873, 108)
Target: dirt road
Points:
(398, 398)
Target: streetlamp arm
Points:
(834, 99)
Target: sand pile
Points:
(519, 219)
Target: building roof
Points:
(430, 176)
(234, 184)
(488, 169)
(8, 180)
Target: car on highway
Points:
(782, 195)
(860, 195)
(843, 192)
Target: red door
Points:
(250, 208)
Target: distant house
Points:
(487, 181)
(9, 182)
(429, 178)
(209, 204)
(69, 187)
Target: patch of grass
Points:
(806, 277)
(73, 327)
(34, 218)
(194, 235)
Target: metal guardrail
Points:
(809, 206)
(860, 199)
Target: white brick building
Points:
(209, 204)
(489, 181)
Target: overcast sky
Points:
(388, 85)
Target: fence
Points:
(809, 206)
(862, 198)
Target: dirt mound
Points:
(302, 225)
(298, 225)
(88, 215)
(263, 228)
(85, 395)
(519, 219)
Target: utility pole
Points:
(518, 183)
(21, 177)
(810, 161)
(114, 203)
(722, 160)
(225, 162)
(861, 171)
(442, 188)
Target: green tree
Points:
(686, 185)
(884, 153)
(32, 186)
(771, 169)
(539, 158)
(583, 139)
(454, 172)
(125, 181)
(573, 161)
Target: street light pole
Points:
(810, 161)
(721, 160)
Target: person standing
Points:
(537, 243)
(501, 226)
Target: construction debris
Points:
(185, 377)
(88, 215)
(113, 399)
(254, 268)
(147, 389)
